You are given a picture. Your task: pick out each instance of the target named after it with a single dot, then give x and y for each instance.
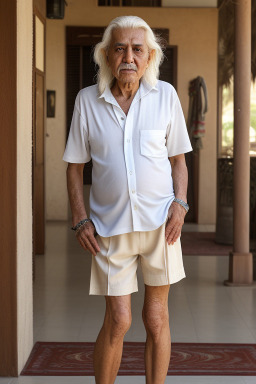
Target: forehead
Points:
(128, 35)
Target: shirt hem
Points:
(76, 161)
(180, 151)
(129, 230)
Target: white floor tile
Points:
(250, 379)
(5, 380)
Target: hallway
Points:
(202, 309)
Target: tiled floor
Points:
(130, 380)
(202, 309)
(193, 227)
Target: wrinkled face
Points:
(128, 55)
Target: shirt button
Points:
(122, 118)
(133, 191)
(135, 207)
(130, 172)
(128, 140)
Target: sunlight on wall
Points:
(39, 44)
(24, 181)
(228, 121)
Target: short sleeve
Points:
(177, 140)
(78, 147)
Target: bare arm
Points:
(75, 193)
(176, 212)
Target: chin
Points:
(128, 78)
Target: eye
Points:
(137, 49)
(119, 49)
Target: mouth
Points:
(127, 70)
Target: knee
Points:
(119, 323)
(155, 317)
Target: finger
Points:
(89, 234)
(82, 243)
(89, 246)
(169, 227)
(95, 243)
(173, 235)
(174, 239)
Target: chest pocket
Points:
(152, 142)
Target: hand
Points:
(86, 238)
(176, 215)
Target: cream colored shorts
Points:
(113, 270)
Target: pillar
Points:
(16, 298)
(240, 260)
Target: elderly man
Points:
(132, 127)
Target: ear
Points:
(151, 55)
(104, 53)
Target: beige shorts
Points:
(113, 270)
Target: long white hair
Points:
(104, 75)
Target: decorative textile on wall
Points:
(198, 106)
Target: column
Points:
(240, 260)
(16, 289)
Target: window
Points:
(227, 131)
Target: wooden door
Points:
(38, 135)
(38, 167)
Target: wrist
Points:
(181, 203)
(77, 219)
(181, 197)
(80, 224)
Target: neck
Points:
(126, 90)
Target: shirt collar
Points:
(143, 90)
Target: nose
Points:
(128, 56)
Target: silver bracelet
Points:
(82, 222)
(181, 202)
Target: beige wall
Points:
(24, 181)
(193, 30)
(55, 181)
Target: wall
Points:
(55, 180)
(24, 181)
(193, 30)
(40, 5)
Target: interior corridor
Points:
(201, 308)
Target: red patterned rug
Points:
(203, 244)
(75, 359)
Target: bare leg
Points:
(158, 344)
(109, 344)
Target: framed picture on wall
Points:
(51, 102)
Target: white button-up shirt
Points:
(132, 187)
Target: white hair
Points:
(104, 75)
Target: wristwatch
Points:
(181, 202)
